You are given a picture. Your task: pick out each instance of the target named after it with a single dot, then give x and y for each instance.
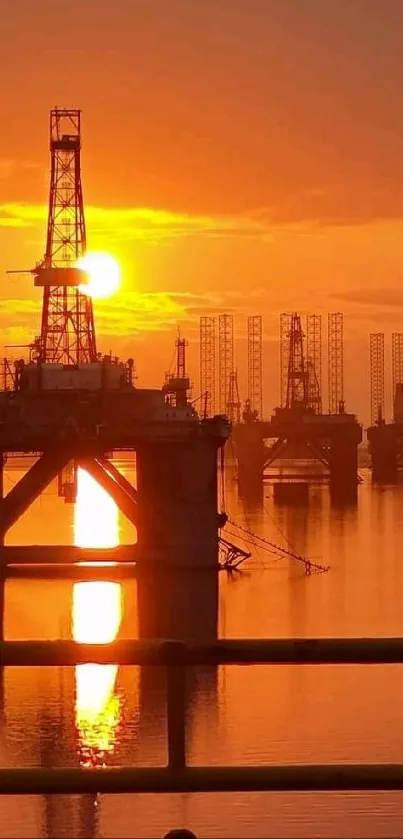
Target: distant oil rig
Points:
(386, 438)
(298, 432)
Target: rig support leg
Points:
(2, 531)
(384, 455)
(344, 471)
(2, 565)
(250, 451)
(177, 502)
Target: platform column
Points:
(177, 502)
(344, 468)
(384, 455)
(2, 463)
(250, 453)
(2, 564)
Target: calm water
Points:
(93, 715)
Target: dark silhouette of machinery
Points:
(233, 401)
(177, 384)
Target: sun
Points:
(104, 273)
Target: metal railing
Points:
(177, 775)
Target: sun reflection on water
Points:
(96, 619)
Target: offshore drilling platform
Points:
(386, 438)
(69, 406)
(298, 430)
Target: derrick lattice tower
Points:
(335, 362)
(285, 328)
(297, 375)
(377, 372)
(233, 410)
(397, 361)
(255, 390)
(208, 363)
(67, 328)
(225, 358)
(314, 361)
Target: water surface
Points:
(92, 715)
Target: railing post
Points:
(176, 706)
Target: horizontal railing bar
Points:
(296, 778)
(160, 652)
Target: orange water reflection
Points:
(96, 618)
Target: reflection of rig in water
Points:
(68, 406)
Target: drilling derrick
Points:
(233, 402)
(255, 398)
(177, 384)
(207, 364)
(225, 357)
(314, 362)
(377, 371)
(297, 378)
(67, 329)
(397, 362)
(285, 329)
(335, 362)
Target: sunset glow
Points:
(104, 274)
(96, 521)
(96, 619)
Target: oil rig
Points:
(386, 438)
(298, 430)
(68, 406)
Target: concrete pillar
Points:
(177, 502)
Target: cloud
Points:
(9, 166)
(127, 315)
(140, 222)
(385, 297)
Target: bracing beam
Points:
(31, 485)
(116, 485)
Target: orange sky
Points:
(239, 155)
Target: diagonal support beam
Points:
(31, 485)
(117, 476)
(274, 452)
(123, 494)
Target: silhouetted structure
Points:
(314, 361)
(335, 362)
(70, 406)
(386, 439)
(297, 431)
(377, 374)
(255, 389)
(225, 358)
(177, 384)
(67, 329)
(397, 361)
(233, 402)
(208, 364)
